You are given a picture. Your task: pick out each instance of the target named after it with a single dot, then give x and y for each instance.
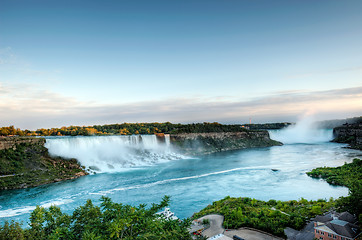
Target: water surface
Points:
(193, 183)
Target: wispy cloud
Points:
(29, 107)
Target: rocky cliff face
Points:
(25, 162)
(206, 143)
(349, 133)
(12, 142)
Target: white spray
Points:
(304, 131)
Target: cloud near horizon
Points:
(31, 108)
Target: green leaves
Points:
(109, 221)
(344, 175)
(349, 175)
(11, 231)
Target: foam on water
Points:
(175, 179)
(113, 153)
(27, 209)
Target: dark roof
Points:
(346, 216)
(343, 228)
(323, 219)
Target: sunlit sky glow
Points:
(98, 62)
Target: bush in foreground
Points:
(108, 221)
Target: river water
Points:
(134, 171)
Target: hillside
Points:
(25, 162)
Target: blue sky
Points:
(96, 62)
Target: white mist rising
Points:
(112, 153)
(304, 131)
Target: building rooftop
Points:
(323, 219)
(339, 222)
(343, 228)
(346, 216)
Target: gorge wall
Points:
(12, 142)
(206, 143)
(349, 133)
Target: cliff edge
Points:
(25, 162)
(349, 133)
(206, 143)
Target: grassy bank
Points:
(345, 175)
(349, 175)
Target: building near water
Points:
(336, 226)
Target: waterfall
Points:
(113, 153)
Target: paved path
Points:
(12, 175)
(249, 234)
(215, 225)
(273, 208)
(246, 233)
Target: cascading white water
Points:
(305, 131)
(113, 153)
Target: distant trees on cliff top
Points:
(124, 129)
(10, 131)
(139, 128)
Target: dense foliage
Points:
(125, 129)
(349, 175)
(109, 221)
(272, 216)
(29, 164)
(266, 126)
(9, 131)
(344, 175)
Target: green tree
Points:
(108, 221)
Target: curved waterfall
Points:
(113, 153)
(305, 131)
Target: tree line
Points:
(125, 129)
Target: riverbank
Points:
(25, 162)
